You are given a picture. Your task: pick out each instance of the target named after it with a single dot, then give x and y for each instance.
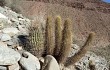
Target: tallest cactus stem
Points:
(49, 40)
(66, 42)
(58, 36)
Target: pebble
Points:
(5, 37)
(11, 31)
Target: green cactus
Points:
(58, 36)
(66, 42)
(35, 40)
(49, 39)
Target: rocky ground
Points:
(14, 57)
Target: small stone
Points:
(3, 44)
(75, 46)
(23, 30)
(3, 16)
(30, 62)
(14, 67)
(19, 48)
(10, 43)
(74, 49)
(1, 25)
(50, 63)
(5, 37)
(11, 31)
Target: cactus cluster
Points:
(63, 41)
(57, 41)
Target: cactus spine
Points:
(66, 41)
(58, 36)
(49, 39)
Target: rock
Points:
(14, 67)
(23, 30)
(19, 48)
(1, 25)
(10, 43)
(2, 44)
(11, 31)
(74, 49)
(99, 62)
(50, 63)
(3, 16)
(41, 60)
(4, 23)
(75, 46)
(3, 68)
(8, 56)
(5, 37)
(30, 62)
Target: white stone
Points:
(11, 31)
(50, 63)
(74, 49)
(5, 37)
(30, 63)
(3, 44)
(3, 16)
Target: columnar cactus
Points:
(58, 36)
(49, 39)
(83, 50)
(66, 42)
